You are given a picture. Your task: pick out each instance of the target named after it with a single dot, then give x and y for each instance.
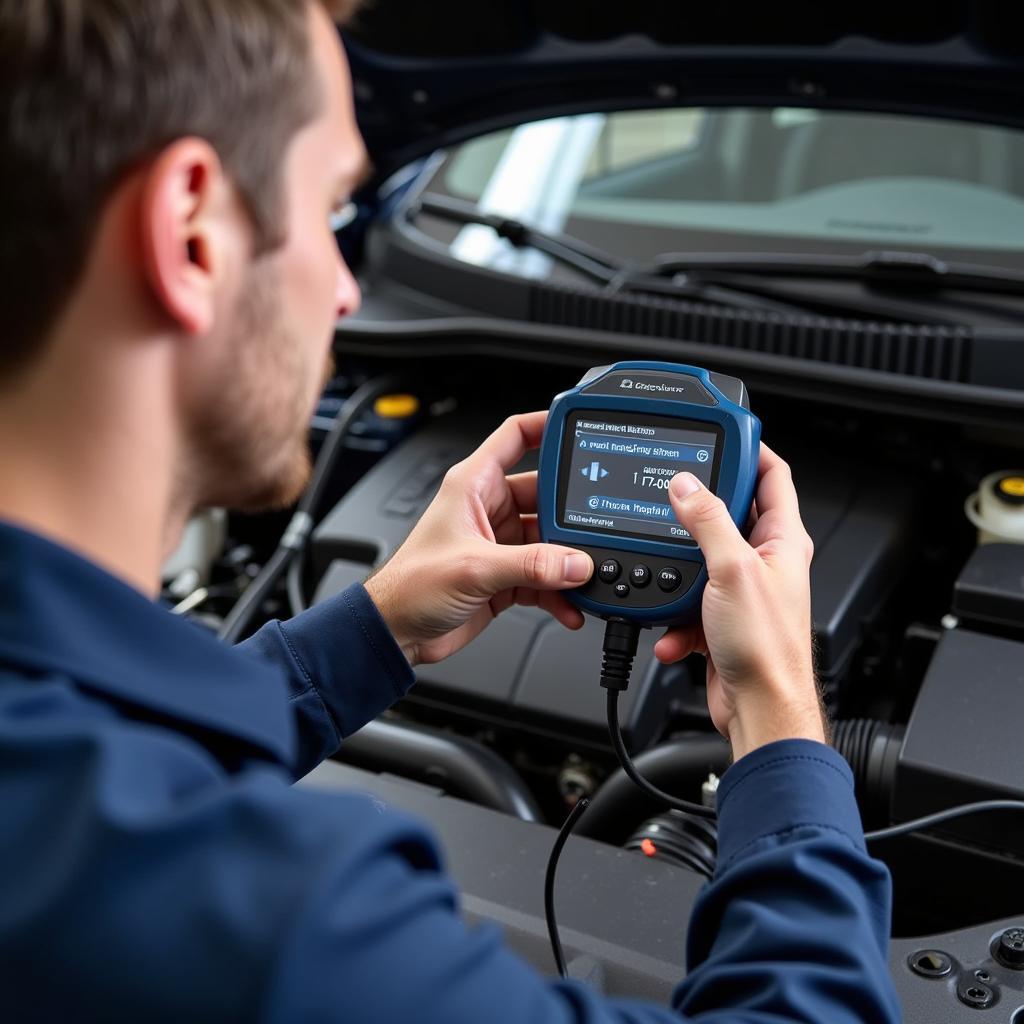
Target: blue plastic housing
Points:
(737, 479)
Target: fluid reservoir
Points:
(201, 545)
(997, 508)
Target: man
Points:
(167, 173)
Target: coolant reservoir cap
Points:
(1009, 489)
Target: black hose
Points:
(872, 749)
(679, 838)
(456, 764)
(296, 537)
(681, 766)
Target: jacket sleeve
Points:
(170, 891)
(793, 929)
(343, 668)
(795, 925)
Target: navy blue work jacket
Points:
(156, 863)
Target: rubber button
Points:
(640, 576)
(622, 590)
(669, 579)
(609, 571)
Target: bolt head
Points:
(1010, 948)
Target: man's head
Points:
(185, 156)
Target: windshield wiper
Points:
(614, 275)
(744, 280)
(886, 268)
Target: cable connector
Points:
(621, 639)
(298, 532)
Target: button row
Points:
(609, 571)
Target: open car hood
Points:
(430, 74)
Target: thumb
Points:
(708, 521)
(538, 566)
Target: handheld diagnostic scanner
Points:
(611, 447)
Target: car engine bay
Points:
(919, 636)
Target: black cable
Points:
(355, 405)
(255, 594)
(620, 649)
(939, 817)
(549, 884)
(620, 644)
(615, 731)
(296, 591)
(293, 543)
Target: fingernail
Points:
(578, 568)
(684, 485)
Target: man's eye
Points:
(343, 215)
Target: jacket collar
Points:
(62, 614)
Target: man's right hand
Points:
(756, 621)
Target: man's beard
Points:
(251, 436)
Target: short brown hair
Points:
(90, 89)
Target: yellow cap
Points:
(397, 407)
(1013, 486)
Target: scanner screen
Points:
(616, 469)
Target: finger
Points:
(509, 530)
(521, 530)
(502, 602)
(778, 505)
(549, 601)
(556, 605)
(536, 566)
(751, 520)
(511, 441)
(525, 597)
(680, 643)
(776, 493)
(523, 487)
(707, 519)
(531, 529)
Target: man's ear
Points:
(183, 206)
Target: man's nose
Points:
(348, 298)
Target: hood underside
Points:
(428, 74)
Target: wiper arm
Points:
(613, 274)
(883, 267)
(589, 261)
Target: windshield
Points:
(739, 180)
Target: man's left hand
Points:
(476, 552)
